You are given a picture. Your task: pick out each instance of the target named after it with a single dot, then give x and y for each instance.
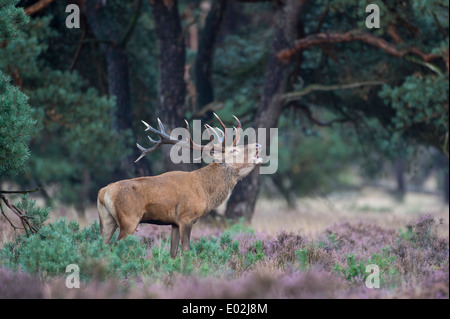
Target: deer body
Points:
(174, 198)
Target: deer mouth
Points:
(258, 160)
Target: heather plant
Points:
(283, 249)
(237, 262)
(313, 255)
(19, 285)
(419, 249)
(421, 233)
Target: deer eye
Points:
(233, 150)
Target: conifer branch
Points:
(38, 6)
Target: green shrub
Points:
(357, 270)
(353, 270)
(60, 243)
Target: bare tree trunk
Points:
(172, 58)
(287, 192)
(242, 201)
(205, 55)
(400, 178)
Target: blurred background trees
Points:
(345, 98)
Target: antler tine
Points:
(147, 125)
(220, 138)
(145, 151)
(191, 142)
(211, 138)
(220, 121)
(161, 126)
(224, 130)
(164, 138)
(238, 132)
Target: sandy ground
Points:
(371, 205)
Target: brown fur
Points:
(174, 198)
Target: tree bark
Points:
(400, 178)
(351, 36)
(101, 20)
(242, 201)
(38, 6)
(172, 58)
(205, 55)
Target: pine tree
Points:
(74, 147)
(16, 123)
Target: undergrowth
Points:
(345, 251)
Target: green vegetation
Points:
(16, 122)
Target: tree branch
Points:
(293, 96)
(350, 36)
(309, 115)
(38, 6)
(80, 44)
(21, 192)
(132, 23)
(24, 218)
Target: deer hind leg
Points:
(108, 224)
(174, 240)
(128, 226)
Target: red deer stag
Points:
(177, 198)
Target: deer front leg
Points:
(174, 240)
(186, 236)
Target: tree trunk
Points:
(242, 201)
(172, 58)
(205, 55)
(101, 21)
(400, 178)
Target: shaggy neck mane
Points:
(217, 181)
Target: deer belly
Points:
(155, 222)
(159, 215)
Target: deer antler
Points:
(165, 138)
(238, 129)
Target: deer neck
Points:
(217, 181)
